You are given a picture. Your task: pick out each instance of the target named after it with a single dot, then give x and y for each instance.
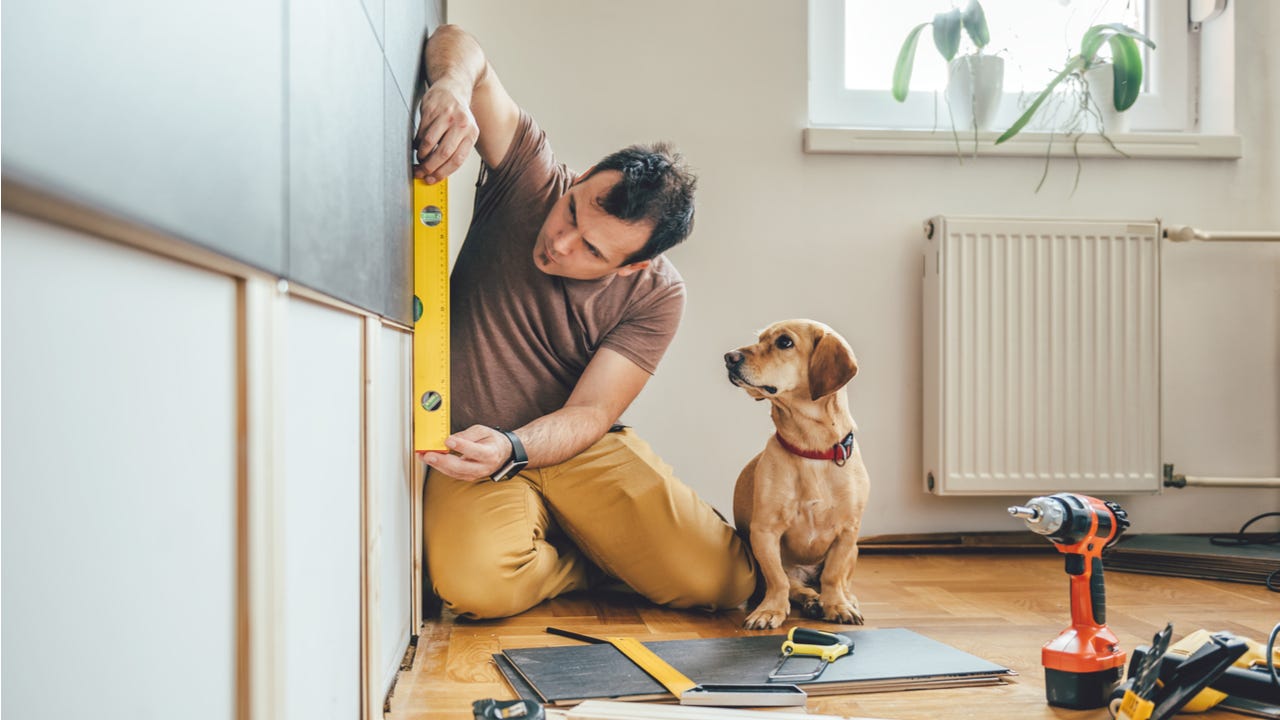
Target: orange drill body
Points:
(1083, 664)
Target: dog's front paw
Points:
(766, 617)
(813, 609)
(844, 613)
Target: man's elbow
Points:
(448, 29)
(595, 421)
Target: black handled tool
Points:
(503, 709)
(1144, 700)
(828, 647)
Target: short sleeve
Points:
(646, 332)
(526, 173)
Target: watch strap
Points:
(516, 462)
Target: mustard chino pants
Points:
(497, 549)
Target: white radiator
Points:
(1041, 356)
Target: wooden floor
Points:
(1001, 607)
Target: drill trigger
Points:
(1074, 563)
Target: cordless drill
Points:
(1082, 666)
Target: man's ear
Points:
(634, 267)
(831, 366)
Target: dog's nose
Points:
(733, 359)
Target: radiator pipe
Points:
(1180, 481)
(1185, 233)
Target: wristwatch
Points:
(514, 464)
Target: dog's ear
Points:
(831, 366)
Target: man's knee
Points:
(474, 566)
(721, 587)
(481, 596)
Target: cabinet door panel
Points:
(321, 516)
(119, 436)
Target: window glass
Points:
(1035, 37)
(854, 45)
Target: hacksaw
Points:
(430, 315)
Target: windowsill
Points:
(865, 141)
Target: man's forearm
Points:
(554, 438)
(464, 107)
(454, 57)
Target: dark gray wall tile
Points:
(407, 22)
(376, 17)
(336, 215)
(143, 110)
(166, 113)
(397, 260)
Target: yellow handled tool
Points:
(827, 647)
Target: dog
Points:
(800, 501)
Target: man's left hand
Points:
(476, 454)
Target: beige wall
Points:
(837, 238)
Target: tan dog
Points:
(801, 499)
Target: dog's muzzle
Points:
(733, 362)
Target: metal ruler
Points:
(430, 315)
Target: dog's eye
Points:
(784, 342)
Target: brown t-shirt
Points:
(522, 338)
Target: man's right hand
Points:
(446, 132)
(475, 454)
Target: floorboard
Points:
(998, 606)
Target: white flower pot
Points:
(975, 84)
(1101, 81)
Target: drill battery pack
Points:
(1080, 690)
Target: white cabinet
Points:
(208, 504)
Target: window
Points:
(854, 44)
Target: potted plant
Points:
(1086, 74)
(975, 81)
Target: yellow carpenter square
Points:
(671, 678)
(430, 315)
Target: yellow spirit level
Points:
(430, 315)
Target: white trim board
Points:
(868, 141)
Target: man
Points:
(562, 307)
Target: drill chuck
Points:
(1043, 515)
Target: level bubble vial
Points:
(431, 401)
(431, 216)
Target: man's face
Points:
(580, 240)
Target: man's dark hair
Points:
(656, 187)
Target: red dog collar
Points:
(837, 453)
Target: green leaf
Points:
(946, 33)
(1091, 41)
(1126, 68)
(975, 24)
(1075, 65)
(1093, 38)
(1126, 58)
(1122, 29)
(906, 60)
